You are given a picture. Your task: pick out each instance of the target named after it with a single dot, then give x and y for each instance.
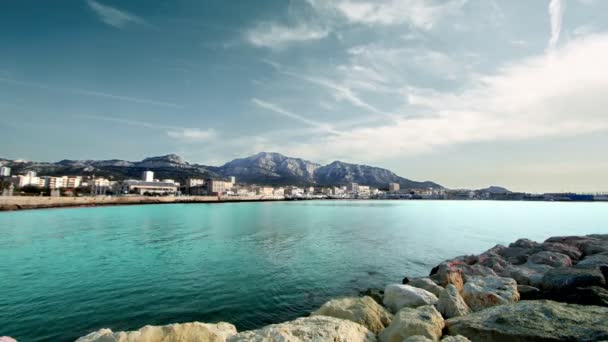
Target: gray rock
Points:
(451, 304)
(516, 255)
(362, 310)
(426, 284)
(315, 328)
(533, 321)
(589, 245)
(375, 294)
(527, 274)
(524, 243)
(571, 251)
(397, 296)
(565, 278)
(424, 321)
(418, 338)
(493, 261)
(552, 259)
(483, 292)
(593, 261)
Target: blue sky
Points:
(467, 93)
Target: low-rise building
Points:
(265, 191)
(5, 171)
(393, 187)
(145, 188)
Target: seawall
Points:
(39, 202)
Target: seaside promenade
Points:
(38, 202)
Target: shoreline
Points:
(17, 203)
(554, 290)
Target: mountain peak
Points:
(169, 158)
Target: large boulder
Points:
(527, 274)
(362, 310)
(375, 294)
(454, 271)
(524, 243)
(451, 304)
(552, 259)
(571, 251)
(565, 278)
(516, 255)
(426, 284)
(594, 261)
(592, 295)
(493, 261)
(315, 328)
(588, 245)
(484, 292)
(533, 321)
(424, 321)
(184, 332)
(528, 292)
(397, 296)
(418, 338)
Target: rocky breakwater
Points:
(527, 291)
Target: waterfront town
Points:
(32, 184)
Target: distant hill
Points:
(495, 190)
(263, 168)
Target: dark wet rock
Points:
(376, 294)
(593, 261)
(528, 292)
(405, 280)
(524, 243)
(588, 245)
(550, 258)
(571, 251)
(533, 321)
(516, 255)
(565, 278)
(592, 295)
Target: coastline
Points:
(554, 290)
(15, 203)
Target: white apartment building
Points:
(147, 176)
(5, 171)
(393, 187)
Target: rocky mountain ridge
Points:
(263, 168)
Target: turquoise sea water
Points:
(66, 272)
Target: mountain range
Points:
(263, 168)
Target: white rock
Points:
(451, 304)
(362, 310)
(313, 329)
(185, 332)
(424, 321)
(397, 296)
(457, 338)
(426, 284)
(484, 292)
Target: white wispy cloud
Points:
(92, 93)
(273, 107)
(113, 16)
(276, 36)
(420, 14)
(182, 134)
(556, 12)
(192, 134)
(558, 94)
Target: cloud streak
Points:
(92, 93)
(556, 12)
(113, 16)
(281, 111)
(276, 36)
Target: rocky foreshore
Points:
(528, 291)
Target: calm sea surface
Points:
(66, 272)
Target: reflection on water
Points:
(66, 272)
